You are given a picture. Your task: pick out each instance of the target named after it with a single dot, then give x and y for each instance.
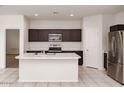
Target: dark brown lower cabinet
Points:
(80, 53)
(105, 61)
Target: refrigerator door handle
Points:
(120, 49)
(113, 46)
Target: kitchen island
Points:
(52, 67)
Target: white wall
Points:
(10, 22)
(26, 27)
(55, 24)
(64, 45)
(108, 20)
(2, 48)
(12, 41)
(119, 18)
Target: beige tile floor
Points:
(88, 77)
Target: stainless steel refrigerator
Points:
(115, 66)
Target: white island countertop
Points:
(58, 67)
(49, 56)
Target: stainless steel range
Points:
(55, 47)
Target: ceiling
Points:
(64, 11)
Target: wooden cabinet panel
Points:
(72, 35)
(55, 31)
(105, 61)
(33, 35)
(80, 53)
(66, 36)
(75, 35)
(41, 35)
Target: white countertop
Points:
(49, 56)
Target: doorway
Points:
(92, 42)
(12, 48)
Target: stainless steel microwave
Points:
(55, 37)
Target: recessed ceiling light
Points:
(36, 14)
(71, 14)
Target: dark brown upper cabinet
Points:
(66, 36)
(33, 35)
(75, 35)
(41, 35)
(71, 35)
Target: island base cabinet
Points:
(54, 70)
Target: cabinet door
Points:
(55, 31)
(66, 36)
(75, 35)
(71, 35)
(43, 35)
(33, 35)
